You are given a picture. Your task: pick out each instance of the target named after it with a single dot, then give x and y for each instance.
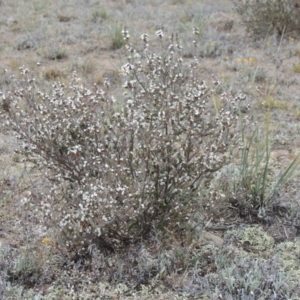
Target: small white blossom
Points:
(159, 33)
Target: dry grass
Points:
(272, 102)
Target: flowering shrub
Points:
(118, 168)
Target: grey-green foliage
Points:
(242, 275)
(265, 17)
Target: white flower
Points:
(98, 231)
(144, 37)
(127, 68)
(129, 102)
(159, 33)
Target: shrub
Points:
(117, 169)
(267, 16)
